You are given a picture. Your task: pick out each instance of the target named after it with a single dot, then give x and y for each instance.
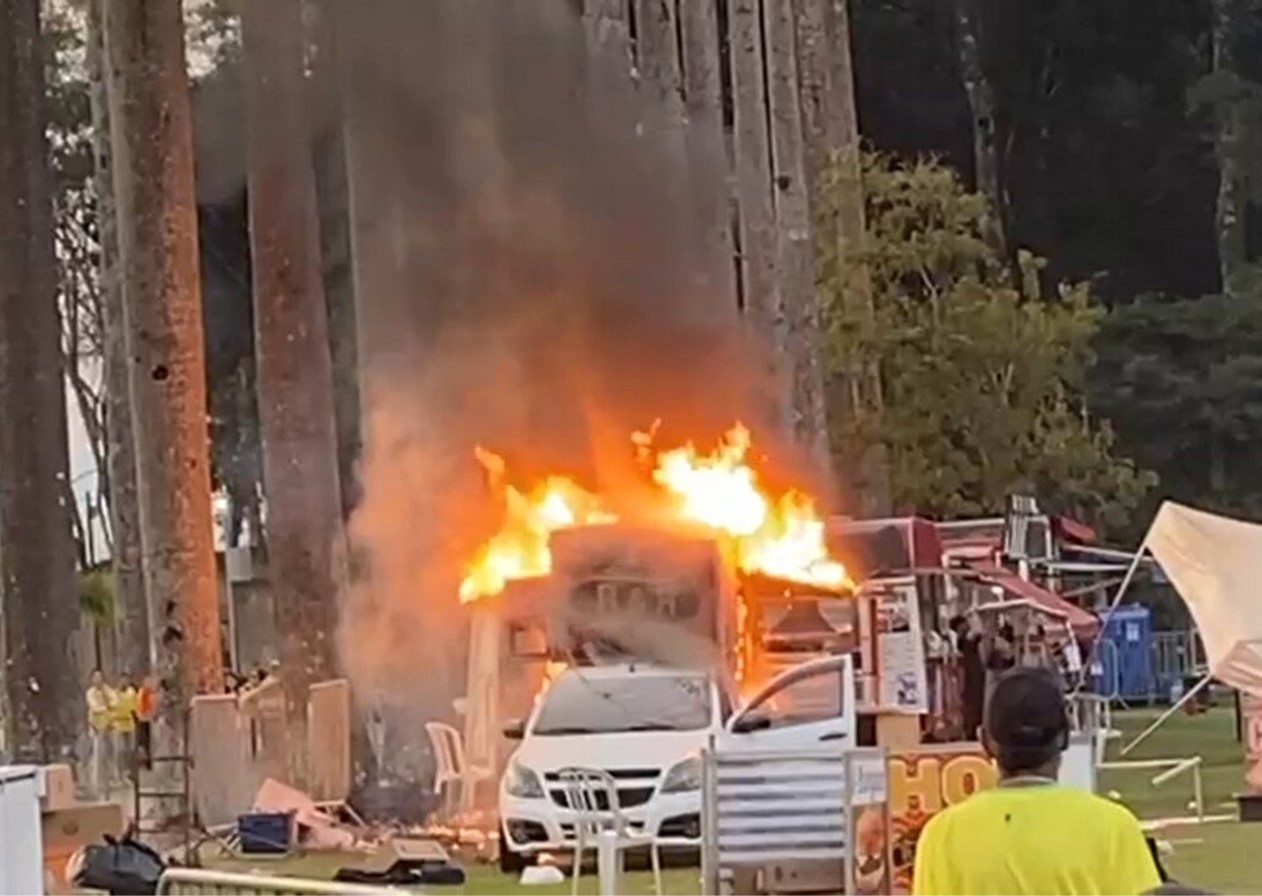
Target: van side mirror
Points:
(515, 730)
(751, 722)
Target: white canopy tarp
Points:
(1215, 564)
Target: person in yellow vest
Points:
(1029, 834)
(123, 724)
(101, 700)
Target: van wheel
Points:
(511, 862)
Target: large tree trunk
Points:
(151, 135)
(981, 102)
(833, 160)
(333, 199)
(661, 76)
(794, 249)
(1230, 218)
(760, 295)
(37, 563)
(609, 57)
(306, 542)
(706, 143)
(132, 610)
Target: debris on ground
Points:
(317, 829)
(406, 861)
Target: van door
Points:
(806, 707)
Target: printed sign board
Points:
(923, 783)
(904, 680)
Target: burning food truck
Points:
(721, 612)
(638, 648)
(572, 580)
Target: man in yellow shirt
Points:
(101, 700)
(1029, 835)
(123, 724)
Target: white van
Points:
(646, 727)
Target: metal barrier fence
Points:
(1176, 656)
(189, 881)
(788, 815)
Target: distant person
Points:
(100, 699)
(1028, 834)
(123, 724)
(146, 713)
(968, 643)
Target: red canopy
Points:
(1084, 624)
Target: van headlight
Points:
(522, 782)
(683, 776)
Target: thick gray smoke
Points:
(533, 276)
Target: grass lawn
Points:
(481, 880)
(1212, 736)
(1224, 856)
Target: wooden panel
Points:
(329, 740)
(223, 778)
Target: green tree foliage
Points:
(1105, 164)
(1182, 380)
(982, 379)
(97, 594)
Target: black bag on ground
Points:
(120, 867)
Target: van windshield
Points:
(577, 704)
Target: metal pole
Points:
(848, 865)
(1104, 623)
(607, 857)
(709, 823)
(1143, 735)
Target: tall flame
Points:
(779, 536)
(776, 535)
(519, 549)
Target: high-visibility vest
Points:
(125, 711)
(146, 704)
(101, 701)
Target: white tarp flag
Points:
(1215, 564)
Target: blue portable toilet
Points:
(1125, 655)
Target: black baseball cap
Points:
(1026, 723)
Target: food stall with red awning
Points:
(1084, 625)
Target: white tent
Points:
(1215, 564)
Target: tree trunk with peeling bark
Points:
(661, 81)
(833, 160)
(609, 54)
(151, 137)
(306, 542)
(795, 250)
(132, 607)
(706, 142)
(37, 563)
(981, 102)
(760, 295)
(1229, 216)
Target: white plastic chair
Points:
(592, 795)
(451, 767)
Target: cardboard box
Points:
(58, 788)
(67, 830)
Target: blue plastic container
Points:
(266, 833)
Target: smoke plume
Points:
(532, 276)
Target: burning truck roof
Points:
(716, 497)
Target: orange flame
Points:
(780, 536)
(776, 535)
(519, 550)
